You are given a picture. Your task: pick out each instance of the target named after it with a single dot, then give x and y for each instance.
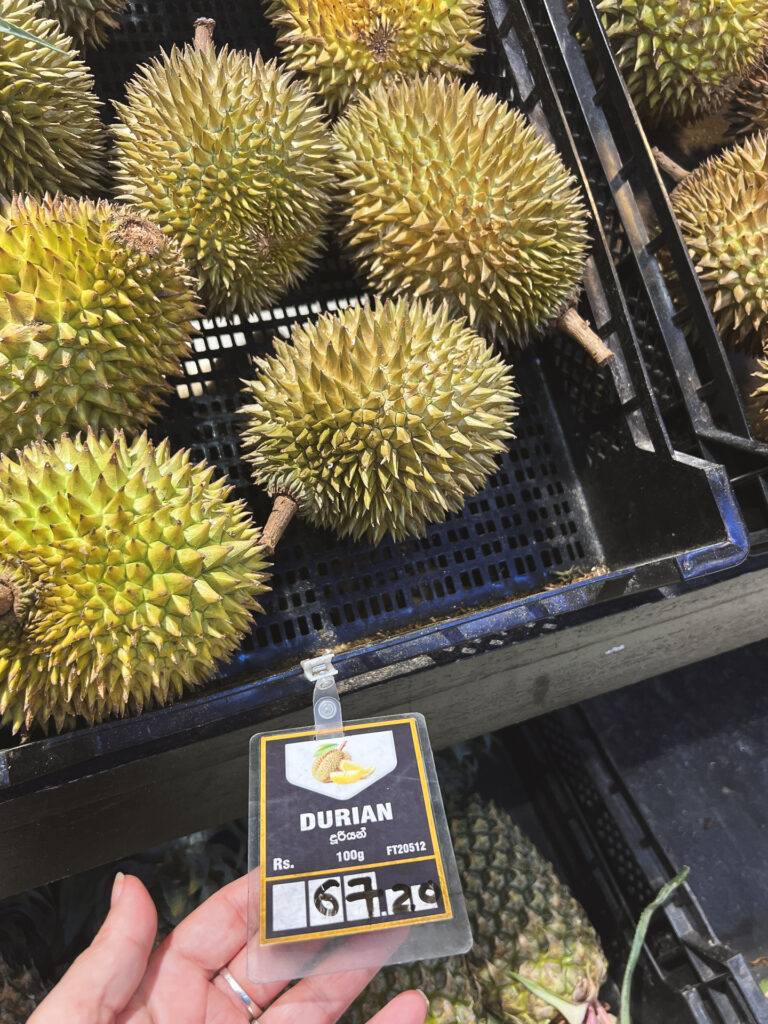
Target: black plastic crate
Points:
(616, 863)
(690, 373)
(592, 486)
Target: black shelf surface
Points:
(692, 749)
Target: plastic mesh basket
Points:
(591, 487)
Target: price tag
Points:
(352, 839)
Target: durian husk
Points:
(755, 389)
(146, 575)
(51, 137)
(744, 112)
(231, 158)
(452, 195)
(346, 46)
(88, 22)
(722, 210)
(379, 420)
(683, 60)
(95, 315)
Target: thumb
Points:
(100, 982)
(408, 1008)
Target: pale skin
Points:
(119, 980)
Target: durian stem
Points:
(204, 34)
(668, 165)
(282, 513)
(580, 331)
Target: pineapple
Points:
(20, 992)
(523, 920)
(453, 994)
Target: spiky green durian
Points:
(232, 158)
(51, 137)
(88, 22)
(379, 420)
(682, 58)
(449, 194)
(346, 46)
(146, 575)
(95, 309)
(722, 210)
(755, 389)
(747, 109)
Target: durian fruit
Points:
(328, 759)
(88, 22)
(722, 210)
(21, 990)
(747, 110)
(95, 310)
(744, 113)
(755, 390)
(524, 920)
(683, 58)
(51, 138)
(146, 575)
(346, 46)
(232, 158)
(378, 420)
(452, 195)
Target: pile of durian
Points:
(697, 72)
(127, 572)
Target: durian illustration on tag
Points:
(340, 769)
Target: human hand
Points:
(119, 980)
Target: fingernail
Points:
(117, 885)
(426, 997)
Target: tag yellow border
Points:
(438, 859)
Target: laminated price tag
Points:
(348, 840)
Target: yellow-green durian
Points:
(232, 158)
(88, 22)
(722, 210)
(145, 575)
(452, 195)
(51, 138)
(379, 420)
(346, 46)
(95, 308)
(682, 58)
(755, 388)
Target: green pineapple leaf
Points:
(574, 1013)
(325, 748)
(13, 30)
(637, 943)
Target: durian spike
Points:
(283, 511)
(577, 327)
(669, 166)
(204, 34)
